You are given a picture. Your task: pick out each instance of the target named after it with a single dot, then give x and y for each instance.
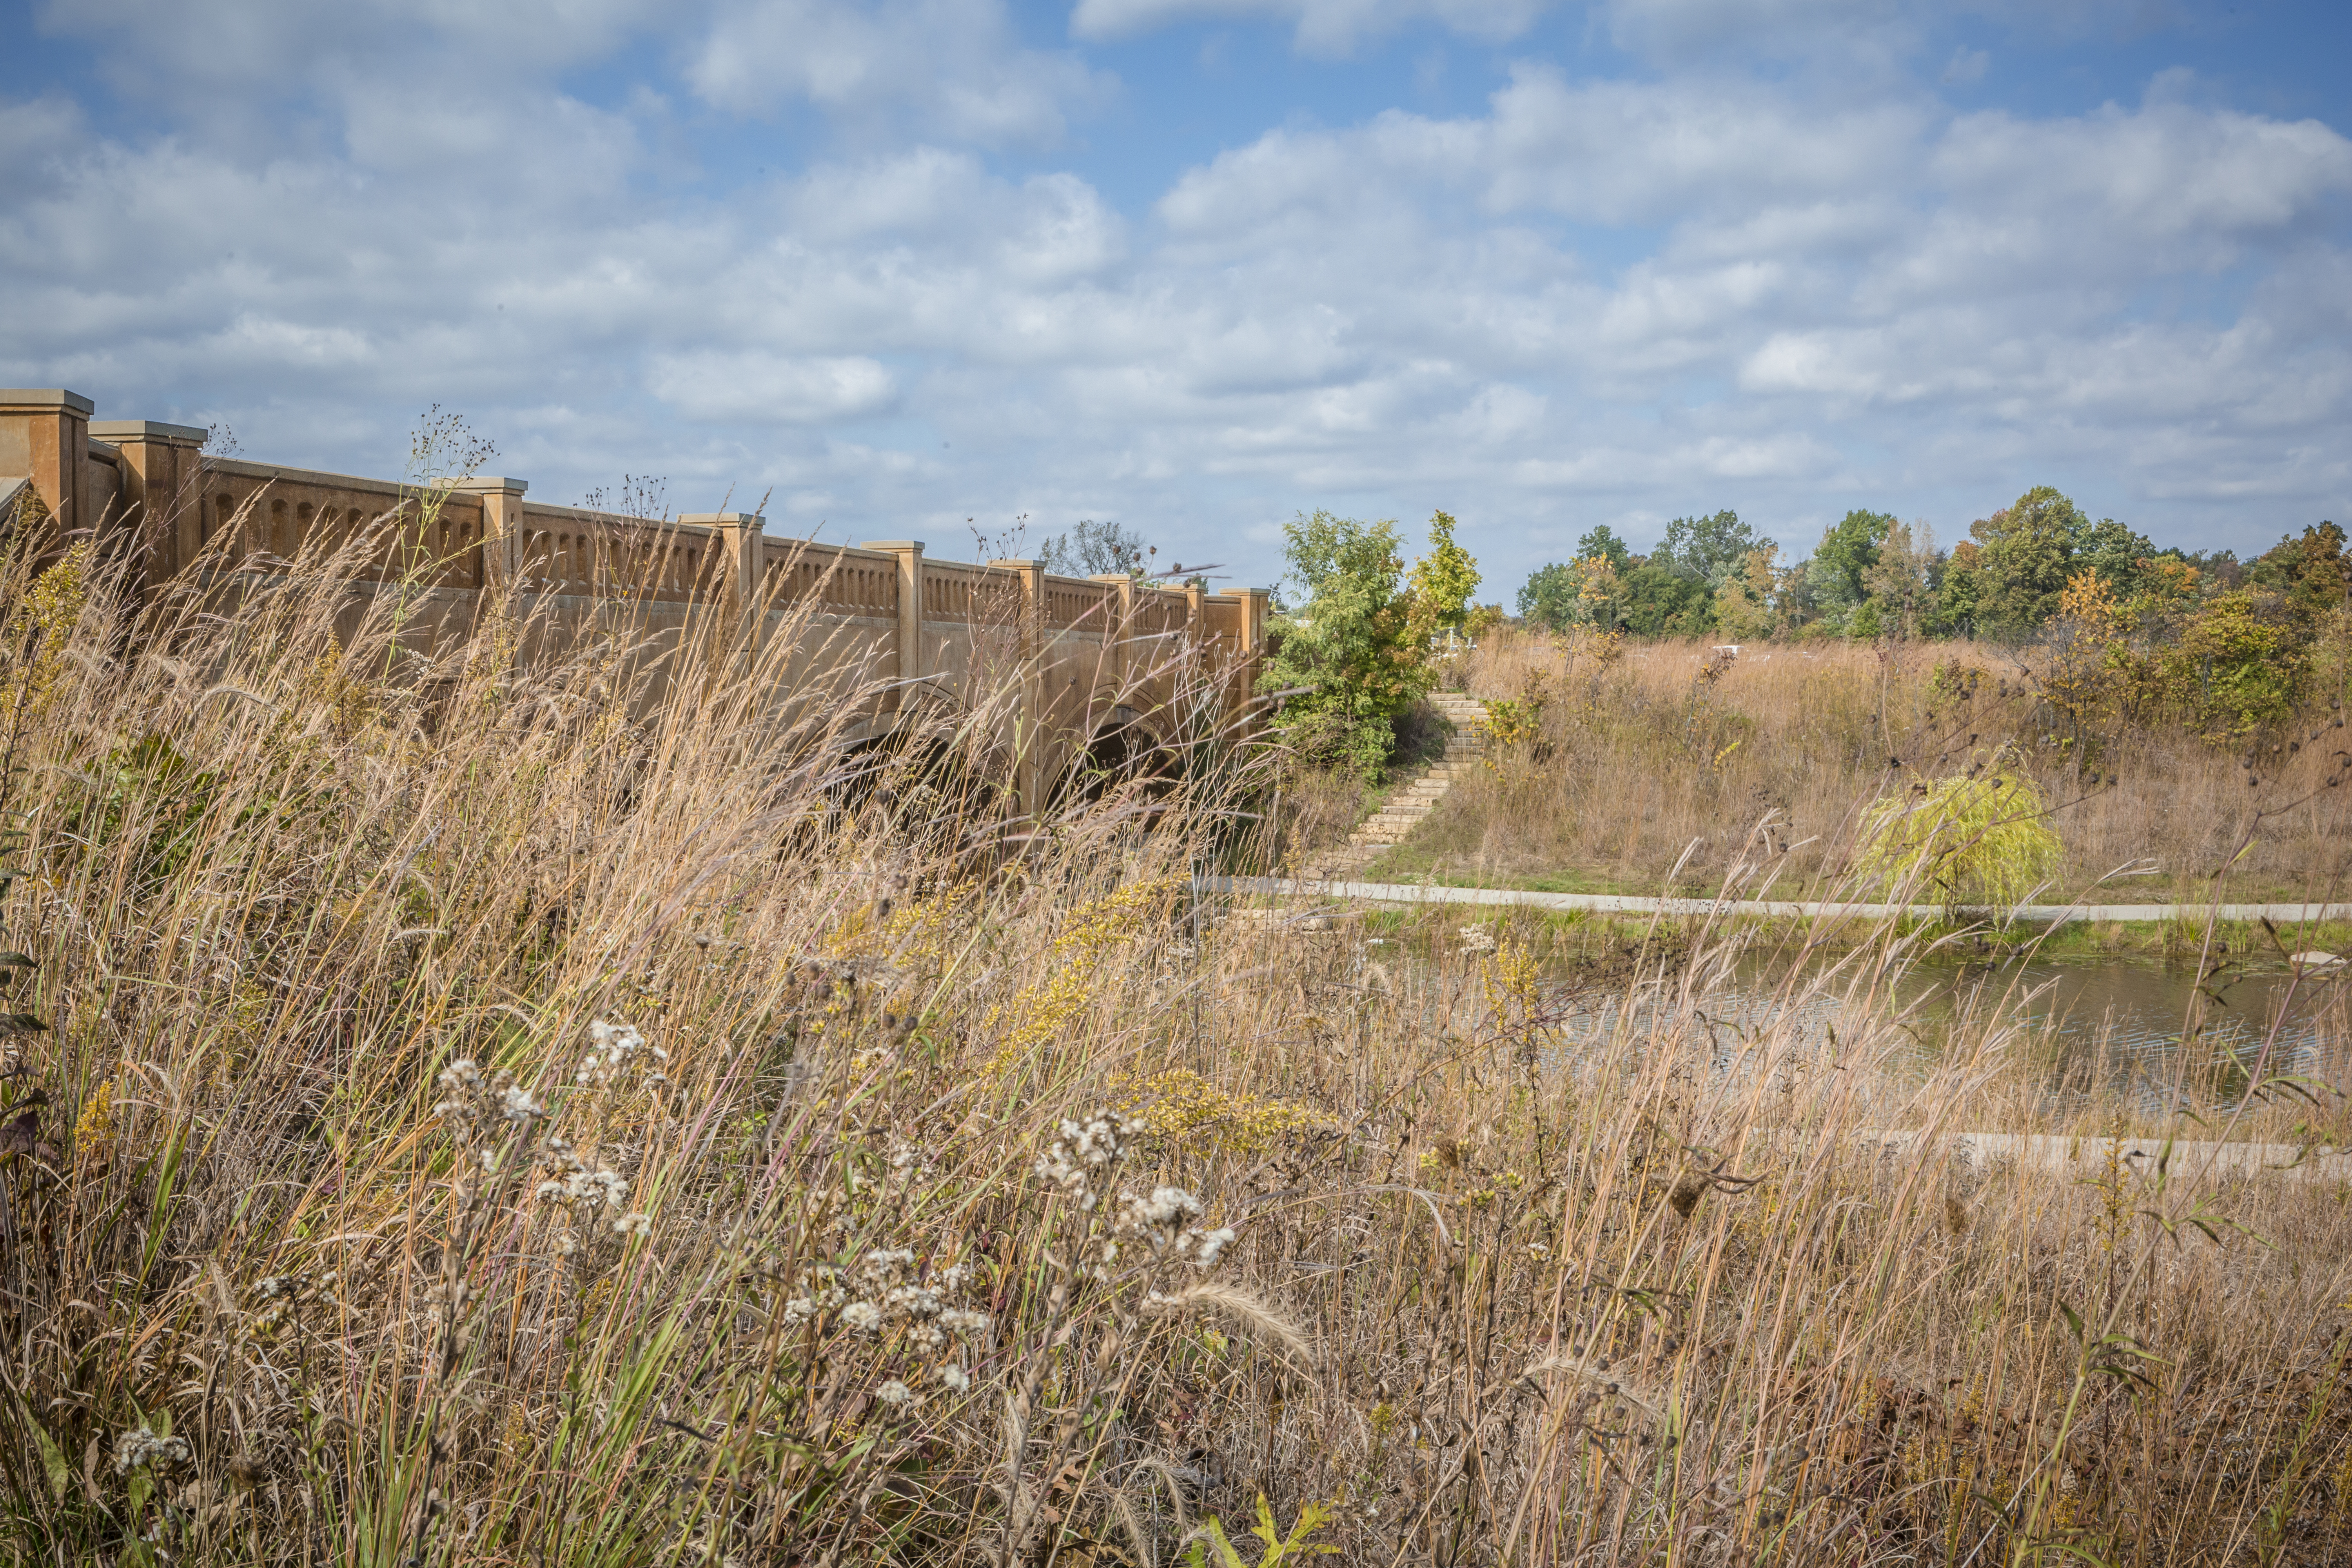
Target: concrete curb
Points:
(2049, 1152)
(1627, 904)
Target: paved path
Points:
(1630, 904)
(2089, 1156)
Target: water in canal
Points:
(2087, 1020)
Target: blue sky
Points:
(1196, 265)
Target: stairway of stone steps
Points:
(1413, 799)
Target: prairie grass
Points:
(493, 1110)
(1651, 750)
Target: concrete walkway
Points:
(2089, 1156)
(1629, 904)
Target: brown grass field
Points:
(486, 1117)
(1670, 747)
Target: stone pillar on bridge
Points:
(162, 466)
(44, 437)
(1029, 746)
(911, 665)
(1118, 656)
(742, 560)
(502, 564)
(1254, 602)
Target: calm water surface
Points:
(2090, 1017)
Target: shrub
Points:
(1983, 837)
(2234, 673)
(1356, 653)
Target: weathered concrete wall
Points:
(1082, 656)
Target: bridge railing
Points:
(1090, 652)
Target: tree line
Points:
(1874, 575)
(2129, 635)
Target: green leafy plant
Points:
(1441, 583)
(1345, 664)
(1983, 835)
(1279, 1548)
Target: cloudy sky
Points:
(1195, 265)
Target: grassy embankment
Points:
(1668, 749)
(340, 1223)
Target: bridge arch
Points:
(1127, 748)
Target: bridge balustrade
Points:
(933, 630)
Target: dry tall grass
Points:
(484, 1122)
(1670, 744)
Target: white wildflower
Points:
(895, 1393)
(883, 1262)
(1212, 1245)
(863, 1316)
(615, 1045)
(140, 1446)
(634, 1225)
(964, 1320)
(520, 1105)
(1166, 1206)
(954, 1376)
(914, 1300)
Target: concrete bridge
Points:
(1072, 670)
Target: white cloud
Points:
(1323, 27)
(762, 389)
(952, 67)
(1676, 31)
(1591, 301)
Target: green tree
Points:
(1601, 542)
(1442, 582)
(1960, 599)
(1347, 658)
(1656, 601)
(2029, 548)
(1583, 591)
(1902, 581)
(2114, 554)
(2235, 672)
(1709, 549)
(1840, 570)
(1745, 607)
(1549, 598)
(2313, 574)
